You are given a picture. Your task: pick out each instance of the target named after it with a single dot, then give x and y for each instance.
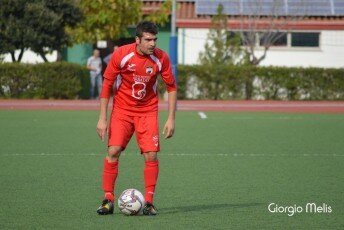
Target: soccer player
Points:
(134, 69)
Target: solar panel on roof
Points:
(266, 7)
(272, 7)
(210, 7)
(338, 6)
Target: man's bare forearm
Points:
(104, 102)
(172, 104)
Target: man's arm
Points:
(88, 65)
(107, 59)
(102, 122)
(169, 125)
(110, 75)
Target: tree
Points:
(47, 30)
(12, 27)
(106, 19)
(161, 15)
(110, 19)
(222, 46)
(36, 24)
(265, 26)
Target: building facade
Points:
(313, 37)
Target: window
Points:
(248, 38)
(279, 39)
(305, 39)
(273, 39)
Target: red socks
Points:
(110, 173)
(150, 174)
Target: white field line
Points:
(193, 106)
(286, 118)
(184, 154)
(202, 115)
(180, 105)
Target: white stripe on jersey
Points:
(155, 85)
(126, 58)
(118, 81)
(156, 61)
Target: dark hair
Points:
(146, 27)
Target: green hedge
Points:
(63, 80)
(58, 80)
(270, 83)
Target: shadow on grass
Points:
(206, 208)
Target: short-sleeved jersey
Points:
(135, 79)
(95, 62)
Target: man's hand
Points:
(102, 128)
(168, 130)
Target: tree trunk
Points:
(13, 56)
(20, 55)
(43, 56)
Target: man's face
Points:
(146, 44)
(96, 53)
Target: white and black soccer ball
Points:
(131, 201)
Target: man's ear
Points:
(137, 40)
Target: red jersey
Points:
(135, 79)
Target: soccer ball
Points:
(130, 202)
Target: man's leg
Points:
(147, 135)
(93, 84)
(110, 172)
(99, 83)
(121, 129)
(151, 172)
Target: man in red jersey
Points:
(133, 69)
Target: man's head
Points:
(146, 37)
(96, 53)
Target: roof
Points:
(272, 7)
(322, 14)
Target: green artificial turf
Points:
(216, 173)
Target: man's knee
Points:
(114, 152)
(150, 156)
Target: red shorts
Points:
(146, 128)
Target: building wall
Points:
(330, 53)
(78, 53)
(190, 43)
(163, 40)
